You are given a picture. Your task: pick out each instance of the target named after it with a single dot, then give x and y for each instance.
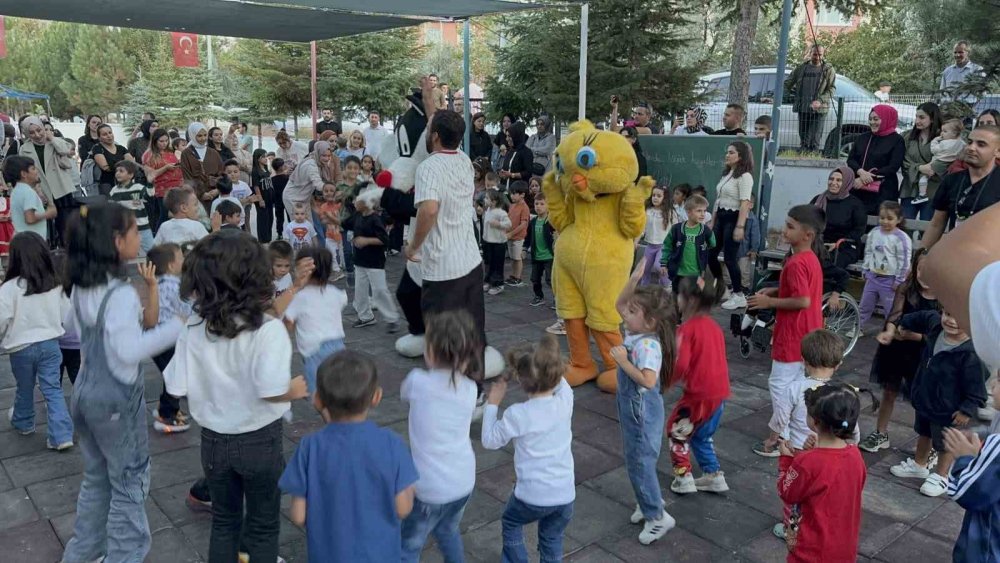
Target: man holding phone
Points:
(641, 120)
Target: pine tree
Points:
(99, 70)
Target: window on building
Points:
(829, 16)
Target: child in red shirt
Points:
(701, 367)
(798, 301)
(823, 485)
(519, 215)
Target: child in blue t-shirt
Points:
(352, 482)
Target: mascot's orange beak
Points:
(580, 182)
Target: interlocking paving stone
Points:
(898, 524)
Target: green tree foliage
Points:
(634, 47)
(276, 75)
(368, 72)
(99, 71)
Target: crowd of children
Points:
(228, 304)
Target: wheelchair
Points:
(754, 329)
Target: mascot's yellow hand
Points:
(632, 211)
(560, 211)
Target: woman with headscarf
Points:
(694, 123)
(519, 161)
(876, 157)
(138, 145)
(846, 219)
(54, 160)
(201, 164)
(543, 143)
(632, 134)
(217, 141)
(106, 154)
(318, 169)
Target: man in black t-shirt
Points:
(328, 124)
(732, 121)
(968, 192)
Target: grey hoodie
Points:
(542, 146)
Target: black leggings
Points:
(725, 223)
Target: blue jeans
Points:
(552, 522)
(640, 413)
(311, 363)
(41, 362)
(318, 225)
(923, 211)
(145, 240)
(440, 519)
(702, 445)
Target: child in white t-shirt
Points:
(183, 227)
(241, 191)
(243, 357)
(300, 232)
(543, 461)
(442, 400)
(315, 313)
(281, 255)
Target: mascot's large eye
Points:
(559, 165)
(586, 158)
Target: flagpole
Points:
(312, 84)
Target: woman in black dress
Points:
(876, 157)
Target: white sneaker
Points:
(934, 486)
(683, 484)
(636, 516)
(712, 482)
(653, 530)
(737, 301)
(909, 469)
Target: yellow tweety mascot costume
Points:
(596, 204)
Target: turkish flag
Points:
(185, 48)
(3, 39)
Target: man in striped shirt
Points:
(134, 196)
(444, 241)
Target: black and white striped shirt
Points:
(449, 251)
(133, 197)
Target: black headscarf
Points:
(517, 135)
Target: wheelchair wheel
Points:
(845, 322)
(744, 347)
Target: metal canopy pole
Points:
(584, 20)
(771, 147)
(467, 97)
(312, 84)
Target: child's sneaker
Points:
(28, 432)
(60, 447)
(683, 484)
(653, 530)
(364, 322)
(515, 282)
(337, 276)
(909, 469)
(934, 486)
(496, 290)
(874, 442)
(198, 505)
(636, 516)
(179, 423)
(920, 199)
(558, 328)
(712, 482)
(737, 301)
(537, 301)
(779, 531)
(762, 449)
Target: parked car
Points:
(858, 103)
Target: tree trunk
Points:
(746, 30)
(295, 125)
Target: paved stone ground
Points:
(38, 488)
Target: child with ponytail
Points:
(823, 484)
(645, 363)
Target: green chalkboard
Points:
(694, 160)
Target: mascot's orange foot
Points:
(581, 367)
(607, 381)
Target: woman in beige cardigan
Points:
(54, 160)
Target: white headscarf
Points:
(28, 122)
(193, 131)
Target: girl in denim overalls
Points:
(644, 365)
(107, 404)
